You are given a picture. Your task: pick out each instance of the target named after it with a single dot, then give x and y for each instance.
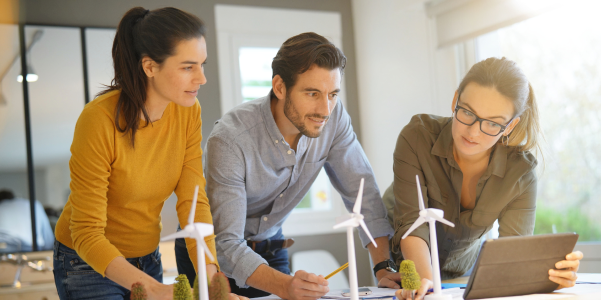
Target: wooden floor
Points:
(37, 285)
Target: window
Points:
(99, 44)
(255, 71)
(559, 52)
(246, 49)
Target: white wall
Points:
(400, 74)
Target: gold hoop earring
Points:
(505, 140)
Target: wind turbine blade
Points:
(348, 223)
(357, 207)
(202, 244)
(193, 210)
(445, 221)
(416, 224)
(177, 235)
(419, 194)
(367, 232)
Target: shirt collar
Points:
(498, 161)
(443, 147)
(273, 130)
(272, 127)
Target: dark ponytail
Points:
(143, 33)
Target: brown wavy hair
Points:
(300, 52)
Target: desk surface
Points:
(578, 292)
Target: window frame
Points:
(235, 30)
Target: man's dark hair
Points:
(6, 195)
(302, 51)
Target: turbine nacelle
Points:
(436, 214)
(350, 220)
(204, 229)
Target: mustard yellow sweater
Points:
(117, 192)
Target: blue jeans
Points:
(279, 261)
(75, 279)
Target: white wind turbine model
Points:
(197, 231)
(431, 215)
(351, 221)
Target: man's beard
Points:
(293, 115)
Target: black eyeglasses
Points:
(488, 127)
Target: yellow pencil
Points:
(337, 270)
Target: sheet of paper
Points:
(532, 297)
(376, 293)
(589, 278)
(457, 293)
(590, 290)
(384, 293)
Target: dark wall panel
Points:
(107, 13)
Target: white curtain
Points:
(460, 20)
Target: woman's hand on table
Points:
(565, 272)
(419, 294)
(237, 297)
(386, 279)
(232, 296)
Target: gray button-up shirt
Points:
(254, 180)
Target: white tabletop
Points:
(581, 291)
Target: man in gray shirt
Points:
(261, 160)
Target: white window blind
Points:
(460, 20)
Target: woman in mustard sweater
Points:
(133, 146)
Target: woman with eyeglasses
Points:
(477, 166)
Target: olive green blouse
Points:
(506, 191)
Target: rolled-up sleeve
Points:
(346, 165)
(406, 166)
(191, 176)
(225, 174)
(519, 216)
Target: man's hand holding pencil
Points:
(307, 286)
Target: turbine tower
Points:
(197, 231)
(431, 215)
(351, 221)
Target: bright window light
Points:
(30, 78)
(559, 52)
(255, 71)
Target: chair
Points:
(320, 262)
